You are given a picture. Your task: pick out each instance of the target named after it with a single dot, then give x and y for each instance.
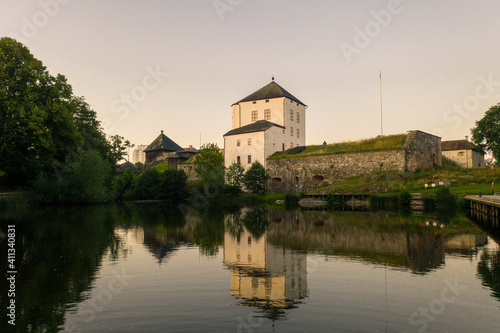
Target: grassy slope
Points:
(390, 142)
(461, 181)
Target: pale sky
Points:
(439, 61)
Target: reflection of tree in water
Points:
(209, 233)
(256, 221)
(58, 253)
(489, 271)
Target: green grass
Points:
(391, 182)
(390, 142)
(161, 167)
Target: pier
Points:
(485, 209)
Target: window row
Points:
(298, 132)
(238, 142)
(297, 117)
(267, 115)
(238, 159)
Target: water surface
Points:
(151, 268)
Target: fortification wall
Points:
(303, 174)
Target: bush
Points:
(170, 185)
(83, 181)
(404, 198)
(147, 185)
(444, 200)
(255, 179)
(123, 185)
(234, 175)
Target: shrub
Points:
(255, 179)
(404, 198)
(123, 185)
(147, 185)
(234, 175)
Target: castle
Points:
(266, 121)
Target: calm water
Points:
(148, 268)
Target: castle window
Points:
(249, 159)
(250, 141)
(238, 143)
(298, 117)
(276, 180)
(291, 115)
(254, 102)
(267, 101)
(461, 153)
(298, 133)
(297, 104)
(274, 144)
(267, 114)
(254, 115)
(238, 160)
(291, 144)
(291, 131)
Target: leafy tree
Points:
(140, 166)
(123, 185)
(486, 133)
(209, 165)
(234, 175)
(118, 147)
(255, 179)
(82, 181)
(173, 185)
(147, 185)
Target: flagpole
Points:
(381, 119)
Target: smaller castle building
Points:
(464, 153)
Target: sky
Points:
(177, 66)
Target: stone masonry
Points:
(303, 174)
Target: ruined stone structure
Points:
(306, 173)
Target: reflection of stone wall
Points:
(421, 151)
(326, 232)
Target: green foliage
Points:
(234, 175)
(45, 130)
(147, 185)
(123, 185)
(255, 179)
(83, 181)
(486, 133)
(444, 200)
(170, 185)
(404, 198)
(140, 167)
(209, 165)
(390, 142)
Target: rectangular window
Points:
(291, 144)
(298, 133)
(249, 159)
(291, 131)
(267, 114)
(298, 117)
(249, 141)
(291, 115)
(254, 115)
(254, 102)
(238, 143)
(267, 101)
(238, 160)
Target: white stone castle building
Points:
(269, 120)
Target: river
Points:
(153, 268)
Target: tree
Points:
(44, 129)
(255, 179)
(123, 185)
(234, 175)
(209, 165)
(486, 133)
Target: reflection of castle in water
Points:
(264, 275)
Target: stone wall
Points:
(304, 174)
(423, 150)
(189, 170)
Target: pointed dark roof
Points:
(272, 90)
(258, 126)
(162, 142)
(458, 145)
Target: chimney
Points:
(467, 138)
